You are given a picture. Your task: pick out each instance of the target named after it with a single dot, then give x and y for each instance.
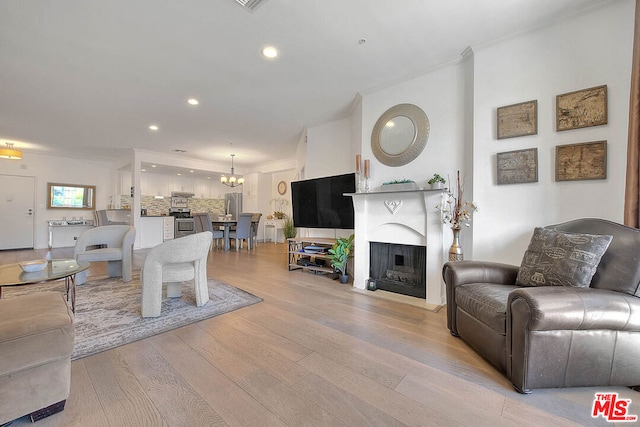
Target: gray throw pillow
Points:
(557, 258)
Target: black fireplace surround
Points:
(399, 268)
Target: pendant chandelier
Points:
(232, 181)
(9, 152)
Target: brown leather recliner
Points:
(554, 336)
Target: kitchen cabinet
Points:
(150, 231)
(168, 228)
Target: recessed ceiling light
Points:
(153, 166)
(269, 52)
(154, 127)
(191, 171)
(179, 174)
(143, 170)
(193, 101)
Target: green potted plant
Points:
(339, 254)
(436, 181)
(289, 230)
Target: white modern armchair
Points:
(111, 243)
(173, 262)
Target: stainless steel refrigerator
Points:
(233, 204)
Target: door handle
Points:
(29, 211)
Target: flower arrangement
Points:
(455, 211)
(278, 205)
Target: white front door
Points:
(17, 197)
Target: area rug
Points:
(108, 311)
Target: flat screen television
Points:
(319, 203)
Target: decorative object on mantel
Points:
(367, 174)
(399, 185)
(457, 213)
(436, 182)
(393, 205)
(400, 135)
(339, 254)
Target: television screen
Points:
(319, 203)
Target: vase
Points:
(455, 251)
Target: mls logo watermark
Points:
(611, 408)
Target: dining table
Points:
(225, 225)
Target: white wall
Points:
(592, 50)
(66, 171)
(440, 93)
(329, 149)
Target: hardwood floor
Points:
(312, 353)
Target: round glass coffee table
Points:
(12, 275)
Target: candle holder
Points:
(366, 184)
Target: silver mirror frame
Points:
(420, 124)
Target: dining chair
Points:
(242, 231)
(203, 223)
(255, 225)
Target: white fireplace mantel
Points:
(403, 217)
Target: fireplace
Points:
(399, 268)
(403, 218)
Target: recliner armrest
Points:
(568, 308)
(465, 272)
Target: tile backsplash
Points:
(157, 207)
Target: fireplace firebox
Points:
(399, 268)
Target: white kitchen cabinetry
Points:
(202, 188)
(151, 231)
(168, 228)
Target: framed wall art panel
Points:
(518, 120)
(582, 108)
(587, 160)
(517, 167)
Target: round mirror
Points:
(400, 135)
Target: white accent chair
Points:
(110, 243)
(173, 262)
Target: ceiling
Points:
(86, 78)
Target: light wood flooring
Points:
(312, 353)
